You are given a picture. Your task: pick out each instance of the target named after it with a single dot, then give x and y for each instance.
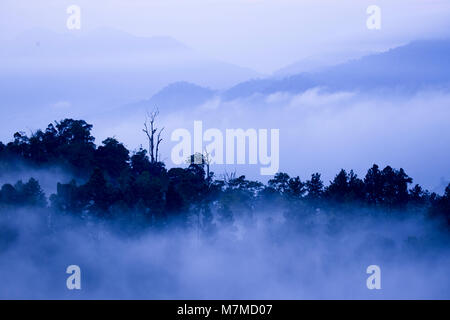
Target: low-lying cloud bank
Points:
(320, 130)
(322, 256)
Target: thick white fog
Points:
(322, 257)
(224, 63)
(48, 177)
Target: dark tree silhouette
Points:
(314, 186)
(112, 157)
(111, 184)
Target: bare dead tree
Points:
(158, 141)
(207, 160)
(150, 130)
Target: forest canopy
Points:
(117, 183)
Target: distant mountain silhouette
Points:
(40, 43)
(319, 62)
(178, 95)
(405, 69)
(103, 66)
(418, 65)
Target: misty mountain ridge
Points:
(103, 66)
(319, 62)
(418, 65)
(41, 43)
(404, 69)
(177, 95)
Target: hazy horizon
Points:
(336, 112)
(244, 32)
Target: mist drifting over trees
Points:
(139, 230)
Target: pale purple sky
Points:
(264, 35)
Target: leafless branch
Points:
(150, 130)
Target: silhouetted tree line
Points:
(120, 184)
